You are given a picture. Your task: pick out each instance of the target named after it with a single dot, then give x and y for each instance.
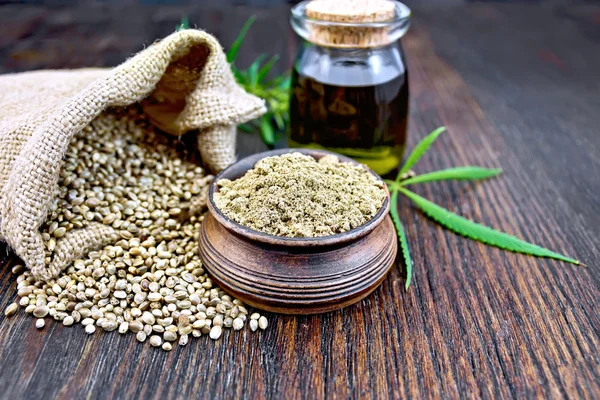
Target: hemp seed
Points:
(149, 280)
(11, 310)
(215, 332)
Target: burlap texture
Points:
(183, 83)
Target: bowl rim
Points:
(258, 236)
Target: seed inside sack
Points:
(121, 172)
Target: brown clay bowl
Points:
(295, 275)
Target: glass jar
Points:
(349, 82)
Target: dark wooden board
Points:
(517, 85)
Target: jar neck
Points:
(349, 67)
(349, 51)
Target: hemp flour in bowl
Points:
(298, 231)
(295, 195)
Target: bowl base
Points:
(301, 280)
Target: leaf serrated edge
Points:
(235, 46)
(420, 149)
(481, 233)
(183, 24)
(401, 237)
(266, 130)
(262, 73)
(466, 173)
(253, 70)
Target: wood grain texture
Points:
(297, 280)
(516, 86)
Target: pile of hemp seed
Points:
(121, 172)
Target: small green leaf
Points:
(481, 233)
(183, 24)
(458, 174)
(419, 150)
(253, 70)
(279, 121)
(402, 238)
(235, 47)
(267, 67)
(282, 82)
(245, 128)
(266, 130)
(275, 82)
(286, 83)
(275, 92)
(240, 76)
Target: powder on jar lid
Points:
(293, 195)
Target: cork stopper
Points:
(359, 22)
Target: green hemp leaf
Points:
(274, 91)
(447, 219)
(254, 80)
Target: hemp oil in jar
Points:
(350, 83)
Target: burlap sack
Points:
(183, 83)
